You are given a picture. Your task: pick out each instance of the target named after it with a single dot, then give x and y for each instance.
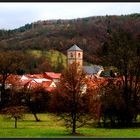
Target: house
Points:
(50, 80)
(52, 76)
(93, 70)
(48, 85)
(32, 81)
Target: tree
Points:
(122, 52)
(36, 64)
(59, 66)
(113, 106)
(14, 108)
(11, 62)
(15, 112)
(69, 100)
(36, 100)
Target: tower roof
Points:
(75, 48)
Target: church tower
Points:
(75, 54)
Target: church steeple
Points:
(75, 54)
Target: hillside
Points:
(88, 33)
(54, 57)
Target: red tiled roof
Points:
(34, 75)
(46, 84)
(33, 84)
(52, 75)
(25, 82)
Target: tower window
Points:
(79, 54)
(71, 54)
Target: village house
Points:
(38, 80)
(50, 80)
(52, 76)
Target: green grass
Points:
(50, 126)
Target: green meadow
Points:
(51, 126)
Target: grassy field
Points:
(51, 127)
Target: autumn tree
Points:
(94, 103)
(59, 66)
(122, 51)
(69, 100)
(16, 112)
(36, 64)
(36, 100)
(11, 63)
(112, 104)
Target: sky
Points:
(14, 15)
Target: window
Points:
(79, 54)
(71, 54)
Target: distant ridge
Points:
(88, 33)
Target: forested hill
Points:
(88, 33)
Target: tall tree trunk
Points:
(36, 118)
(15, 122)
(74, 124)
(2, 95)
(104, 121)
(74, 114)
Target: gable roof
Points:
(33, 76)
(52, 75)
(92, 69)
(47, 84)
(75, 48)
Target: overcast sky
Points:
(14, 15)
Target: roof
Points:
(33, 76)
(25, 82)
(92, 69)
(40, 80)
(75, 48)
(47, 84)
(52, 75)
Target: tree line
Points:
(88, 33)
